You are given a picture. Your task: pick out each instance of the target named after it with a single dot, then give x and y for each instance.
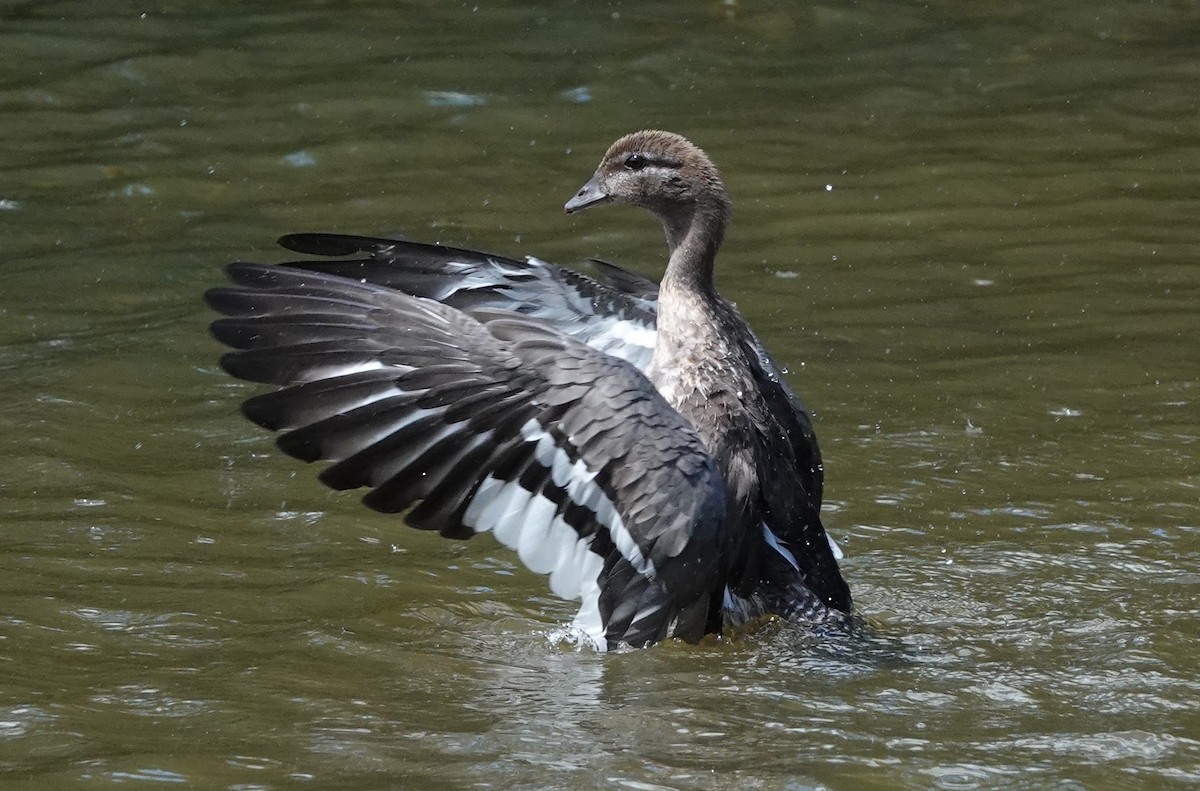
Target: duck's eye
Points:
(636, 162)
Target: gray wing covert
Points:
(614, 312)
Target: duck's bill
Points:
(589, 194)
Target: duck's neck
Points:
(689, 327)
(693, 238)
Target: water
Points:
(969, 233)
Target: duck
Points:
(632, 440)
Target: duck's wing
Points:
(796, 558)
(631, 283)
(794, 416)
(501, 424)
(614, 312)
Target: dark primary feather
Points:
(424, 404)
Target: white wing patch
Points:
(531, 524)
(773, 543)
(632, 341)
(573, 565)
(335, 371)
(588, 494)
(588, 621)
(539, 545)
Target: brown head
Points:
(662, 172)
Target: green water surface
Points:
(969, 231)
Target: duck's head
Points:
(659, 171)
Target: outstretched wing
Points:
(614, 312)
(502, 424)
